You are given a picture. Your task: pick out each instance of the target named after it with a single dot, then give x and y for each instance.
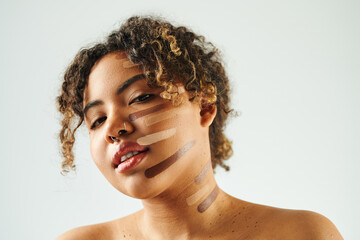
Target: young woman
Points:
(154, 99)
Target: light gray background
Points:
(294, 66)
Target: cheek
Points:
(97, 150)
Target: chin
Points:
(138, 189)
(141, 193)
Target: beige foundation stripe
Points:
(142, 113)
(198, 195)
(129, 64)
(202, 175)
(181, 89)
(121, 55)
(160, 117)
(204, 205)
(156, 137)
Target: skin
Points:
(166, 213)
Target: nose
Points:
(117, 128)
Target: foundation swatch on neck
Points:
(202, 175)
(156, 137)
(160, 167)
(142, 113)
(204, 205)
(198, 195)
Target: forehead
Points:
(108, 73)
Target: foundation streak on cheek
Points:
(156, 137)
(160, 117)
(160, 167)
(204, 205)
(202, 175)
(139, 114)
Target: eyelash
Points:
(141, 98)
(97, 122)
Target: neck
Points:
(184, 211)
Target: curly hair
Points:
(166, 54)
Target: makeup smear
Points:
(121, 55)
(208, 200)
(202, 175)
(139, 114)
(160, 167)
(160, 117)
(181, 89)
(198, 195)
(129, 64)
(156, 137)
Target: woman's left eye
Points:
(142, 98)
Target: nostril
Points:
(122, 131)
(114, 139)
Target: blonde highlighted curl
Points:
(168, 55)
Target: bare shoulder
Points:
(90, 232)
(116, 229)
(301, 224)
(256, 221)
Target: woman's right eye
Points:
(142, 98)
(97, 122)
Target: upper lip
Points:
(124, 148)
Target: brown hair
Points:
(162, 50)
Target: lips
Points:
(127, 155)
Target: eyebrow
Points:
(128, 82)
(121, 89)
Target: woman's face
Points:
(169, 144)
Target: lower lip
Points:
(131, 163)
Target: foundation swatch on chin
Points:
(163, 165)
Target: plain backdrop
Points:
(294, 67)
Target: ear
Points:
(208, 114)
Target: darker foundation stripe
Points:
(202, 175)
(136, 115)
(158, 168)
(208, 200)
